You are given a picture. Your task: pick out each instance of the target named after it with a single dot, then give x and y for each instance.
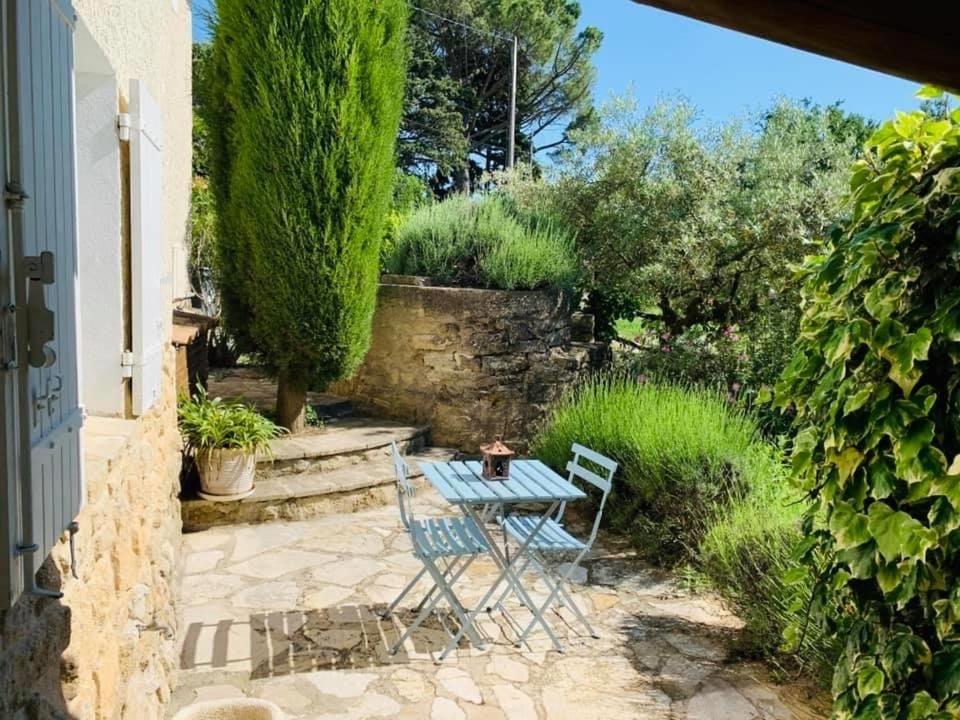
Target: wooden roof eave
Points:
(920, 43)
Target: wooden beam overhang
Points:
(919, 41)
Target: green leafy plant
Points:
(203, 230)
(313, 418)
(875, 384)
(214, 424)
(481, 243)
(409, 193)
(302, 101)
(747, 555)
(683, 453)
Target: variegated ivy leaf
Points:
(876, 387)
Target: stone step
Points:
(297, 496)
(252, 386)
(348, 441)
(330, 407)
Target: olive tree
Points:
(689, 223)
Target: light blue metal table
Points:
(530, 481)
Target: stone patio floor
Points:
(287, 611)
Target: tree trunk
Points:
(291, 403)
(461, 179)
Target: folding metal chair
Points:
(552, 537)
(455, 541)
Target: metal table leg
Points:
(506, 575)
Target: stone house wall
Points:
(88, 655)
(472, 363)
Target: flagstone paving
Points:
(289, 612)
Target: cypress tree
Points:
(303, 101)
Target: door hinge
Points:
(8, 337)
(126, 364)
(14, 195)
(123, 126)
(25, 548)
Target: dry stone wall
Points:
(472, 363)
(107, 649)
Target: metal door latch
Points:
(40, 321)
(48, 400)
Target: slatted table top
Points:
(461, 483)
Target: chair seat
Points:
(447, 537)
(551, 537)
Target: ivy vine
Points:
(875, 382)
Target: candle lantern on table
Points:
(496, 460)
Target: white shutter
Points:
(99, 230)
(147, 257)
(41, 159)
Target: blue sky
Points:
(724, 73)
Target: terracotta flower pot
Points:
(239, 709)
(226, 473)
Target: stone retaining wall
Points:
(472, 363)
(108, 648)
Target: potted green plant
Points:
(224, 439)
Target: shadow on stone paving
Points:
(668, 637)
(297, 641)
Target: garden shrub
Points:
(409, 193)
(743, 360)
(876, 386)
(748, 557)
(683, 452)
(303, 100)
(481, 243)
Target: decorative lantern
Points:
(496, 460)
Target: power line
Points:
(481, 31)
(514, 45)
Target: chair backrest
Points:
(603, 481)
(404, 486)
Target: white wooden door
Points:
(146, 237)
(11, 530)
(41, 223)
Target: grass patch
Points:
(629, 329)
(481, 243)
